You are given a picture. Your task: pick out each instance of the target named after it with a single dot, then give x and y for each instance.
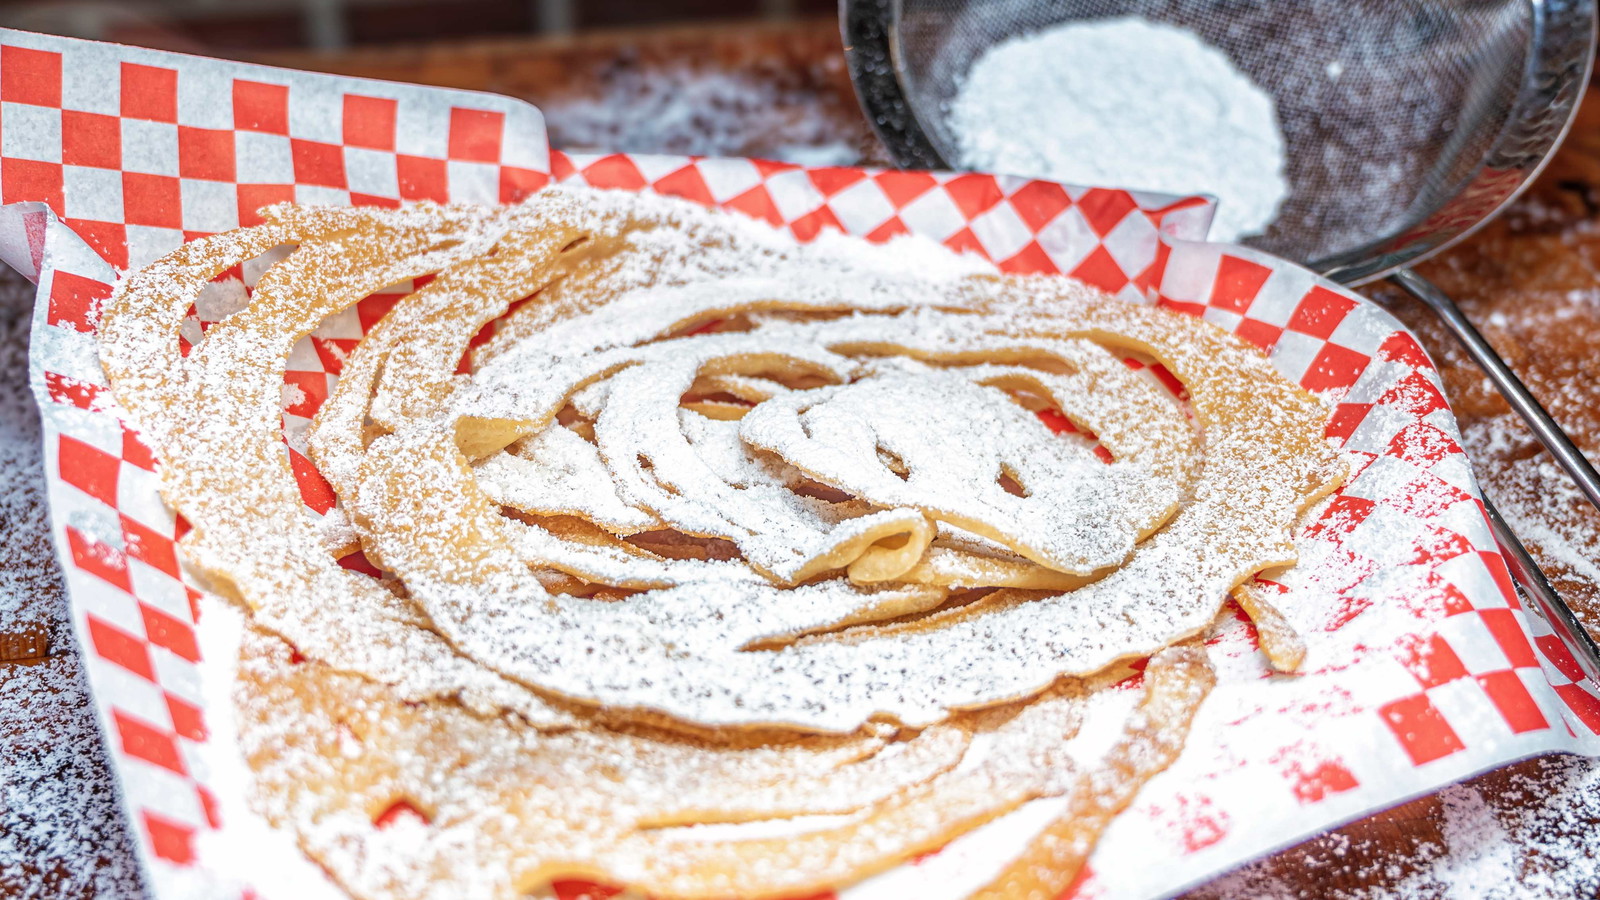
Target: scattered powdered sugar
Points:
(61, 827)
(1126, 103)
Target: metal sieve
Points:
(1408, 124)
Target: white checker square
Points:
(262, 158)
(793, 194)
(655, 167)
(1132, 243)
(1294, 352)
(147, 244)
(135, 696)
(86, 72)
(209, 206)
(1191, 273)
(205, 97)
(1363, 329)
(1472, 641)
(1067, 238)
(422, 126)
(138, 498)
(728, 178)
(933, 215)
(91, 193)
(472, 182)
(371, 172)
(321, 196)
(861, 207)
(149, 147)
(316, 116)
(160, 790)
(30, 132)
(1222, 318)
(178, 676)
(159, 590)
(1002, 233)
(524, 143)
(111, 604)
(1189, 223)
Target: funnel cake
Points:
(714, 534)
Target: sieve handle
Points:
(1516, 393)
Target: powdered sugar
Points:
(1130, 103)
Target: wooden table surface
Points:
(765, 90)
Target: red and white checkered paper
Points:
(1425, 667)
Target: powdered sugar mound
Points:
(1129, 103)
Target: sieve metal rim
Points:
(1556, 70)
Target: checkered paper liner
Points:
(1425, 667)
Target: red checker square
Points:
(1421, 441)
(1030, 260)
(187, 720)
(168, 839)
(902, 187)
(1509, 695)
(109, 239)
(614, 171)
(1262, 334)
(90, 139)
(1402, 347)
(1105, 208)
(1237, 283)
(1432, 661)
(1421, 729)
(811, 224)
(313, 392)
(1346, 419)
(561, 167)
(517, 184)
(1333, 367)
(206, 153)
(757, 204)
(687, 183)
(369, 122)
(26, 179)
(317, 163)
(170, 632)
(135, 452)
(260, 107)
(106, 563)
(890, 229)
(1496, 564)
(115, 645)
(150, 547)
(973, 194)
(255, 197)
(144, 741)
(30, 76)
(1508, 633)
(71, 391)
(89, 469)
(149, 92)
(75, 301)
(357, 199)
(421, 178)
(1327, 777)
(831, 180)
(475, 134)
(1582, 703)
(1320, 311)
(314, 489)
(582, 890)
(1559, 656)
(1038, 203)
(153, 200)
(1415, 394)
(1099, 269)
(208, 804)
(1342, 515)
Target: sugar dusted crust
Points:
(715, 529)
